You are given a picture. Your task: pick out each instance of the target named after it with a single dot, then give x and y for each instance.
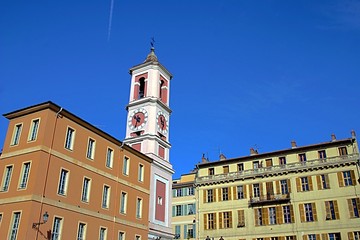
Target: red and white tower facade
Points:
(147, 131)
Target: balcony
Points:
(279, 169)
(269, 199)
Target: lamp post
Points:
(45, 219)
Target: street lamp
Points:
(45, 219)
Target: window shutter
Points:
(251, 187)
(313, 206)
(215, 220)
(298, 184)
(327, 181)
(241, 217)
(317, 236)
(302, 212)
(318, 181)
(173, 210)
(184, 210)
(214, 194)
(220, 194)
(204, 195)
(279, 219)
(265, 212)
(327, 208)
(261, 189)
(277, 185)
(234, 193)
(230, 219)
(245, 190)
(350, 236)
(351, 209)
(229, 193)
(337, 215)
(310, 183)
(256, 216)
(292, 214)
(325, 236)
(221, 220)
(340, 179)
(205, 222)
(353, 179)
(281, 238)
(174, 193)
(289, 185)
(194, 230)
(304, 237)
(185, 232)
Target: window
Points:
(323, 181)
(102, 233)
(6, 178)
(211, 171)
(347, 178)
(334, 236)
(191, 209)
(241, 219)
(106, 196)
(178, 210)
(210, 221)
(354, 207)
(307, 212)
(121, 236)
(210, 195)
(90, 149)
(354, 235)
(332, 211)
(24, 175)
(282, 160)
(126, 166)
(56, 230)
(63, 182)
(256, 187)
(268, 162)
(304, 184)
(123, 202)
(15, 225)
(34, 129)
(177, 232)
(85, 195)
(191, 191)
(287, 213)
(179, 192)
(322, 154)
(139, 208)
(284, 186)
(142, 88)
(272, 215)
(141, 173)
(302, 157)
(240, 167)
(69, 142)
(225, 194)
(16, 134)
(190, 231)
(81, 231)
(258, 217)
(256, 164)
(225, 169)
(342, 151)
(240, 192)
(137, 237)
(311, 237)
(109, 158)
(225, 220)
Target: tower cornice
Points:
(153, 100)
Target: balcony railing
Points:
(269, 199)
(278, 169)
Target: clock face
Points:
(162, 123)
(137, 119)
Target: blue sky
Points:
(246, 73)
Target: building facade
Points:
(63, 178)
(304, 192)
(184, 207)
(148, 132)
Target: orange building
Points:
(63, 178)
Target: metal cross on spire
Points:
(152, 43)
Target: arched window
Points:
(160, 90)
(142, 88)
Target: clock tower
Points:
(147, 130)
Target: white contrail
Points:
(110, 18)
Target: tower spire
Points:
(151, 57)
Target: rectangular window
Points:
(70, 136)
(256, 164)
(123, 202)
(81, 231)
(210, 195)
(323, 181)
(302, 157)
(190, 231)
(15, 225)
(225, 169)
(241, 219)
(63, 182)
(334, 236)
(256, 187)
(109, 158)
(322, 154)
(126, 166)
(34, 129)
(287, 213)
(347, 178)
(272, 215)
(24, 175)
(141, 173)
(258, 217)
(211, 221)
(16, 134)
(311, 237)
(225, 194)
(137, 237)
(106, 197)
(354, 207)
(179, 192)
(191, 208)
(56, 230)
(284, 186)
(90, 149)
(240, 192)
(121, 236)
(342, 151)
(240, 167)
(85, 195)
(332, 211)
(304, 184)
(177, 232)
(268, 162)
(191, 191)
(227, 219)
(178, 210)
(211, 171)
(102, 233)
(282, 160)
(139, 208)
(6, 178)
(309, 217)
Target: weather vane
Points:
(152, 42)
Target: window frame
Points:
(63, 182)
(34, 129)
(57, 225)
(105, 200)
(82, 227)
(15, 139)
(126, 166)
(90, 150)
(15, 224)
(69, 138)
(102, 233)
(6, 181)
(85, 191)
(141, 172)
(123, 202)
(109, 158)
(139, 207)
(24, 176)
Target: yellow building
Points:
(184, 207)
(308, 192)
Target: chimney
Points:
(333, 137)
(222, 157)
(203, 159)
(253, 151)
(353, 134)
(293, 144)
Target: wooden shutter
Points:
(204, 195)
(245, 190)
(215, 220)
(328, 210)
(214, 194)
(205, 222)
(298, 184)
(185, 231)
(288, 185)
(292, 214)
(310, 183)
(318, 181)
(340, 179)
(304, 237)
(337, 215)
(351, 208)
(313, 206)
(302, 212)
(256, 214)
(282, 238)
(230, 219)
(251, 187)
(269, 188)
(241, 217)
(265, 215)
(353, 179)
(279, 218)
(220, 194)
(221, 219)
(173, 210)
(327, 181)
(325, 236)
(234, 193)
(277, 187)
(261, 189)
(350, 236)
(229, 193)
